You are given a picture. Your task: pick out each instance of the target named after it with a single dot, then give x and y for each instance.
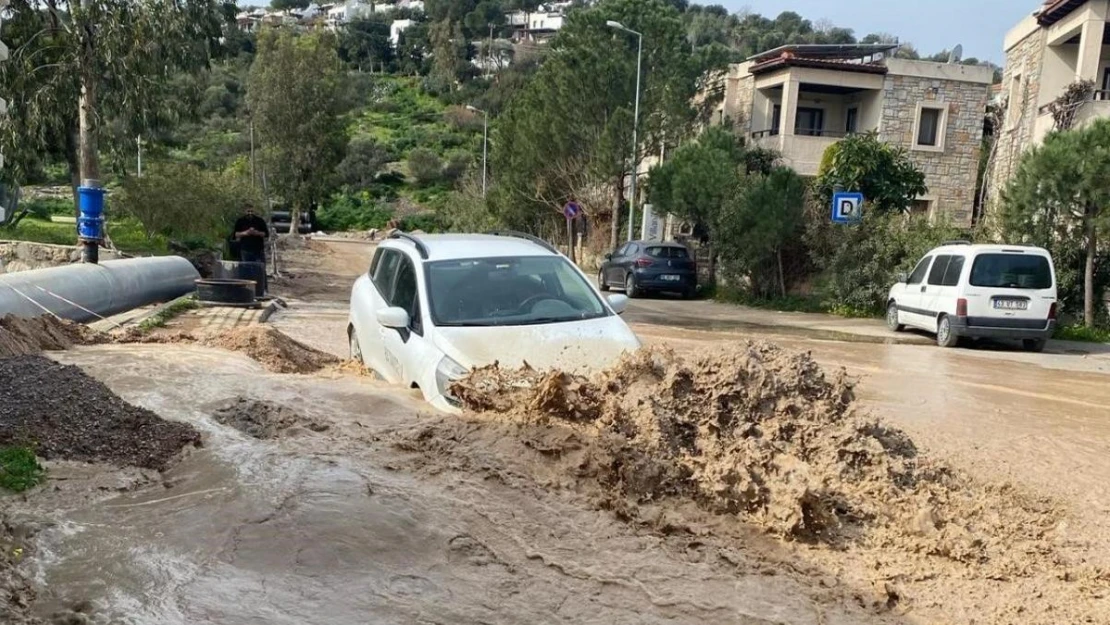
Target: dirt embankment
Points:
(756, 436)
(275, 351)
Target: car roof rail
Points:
(420, 247)
(957, 242)
(524, 235)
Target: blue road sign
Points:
(571, 210)
(847, 207)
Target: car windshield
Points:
(1011, 271)
(668, 252)
(511, 291)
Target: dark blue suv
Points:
(640, 267)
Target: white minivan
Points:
(978, 291)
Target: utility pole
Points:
(485, 146)
(635, 125)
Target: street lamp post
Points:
(485, 144)
(635, 123)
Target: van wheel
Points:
(1034, 345)
(892, 318)
(945, 336)
(601, 284)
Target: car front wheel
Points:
(892, 321)
(945, 336)
(356, 349)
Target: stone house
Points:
(800, 99)
(1064, 41)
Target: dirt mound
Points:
(263, 419)
(754, 432)
(63, 413)
(20, 336)
(274, 350)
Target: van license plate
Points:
(670, 278)
(1011, 304)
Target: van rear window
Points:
(1011, 271)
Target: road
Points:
(349, 526)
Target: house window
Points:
(776, 119)
(919, 207)
(928, 125)
(810, 122)
(851, 122)
(1105, 93)
(929, 130)
(1013, 109)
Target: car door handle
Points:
(922, 289)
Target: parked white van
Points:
(978, 291)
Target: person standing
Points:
(251, 232)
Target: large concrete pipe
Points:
(85, 292)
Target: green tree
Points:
(79, 64)
(425, 166)
(286, 5)
(569, 129)
(365, 42)
(296, 107)
(365, 158)
(699, 178)
(760, 216)
(884, 173)
(1060, 192)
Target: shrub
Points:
(426, 168)
(364, 160)
(19, 469)
(457, 164)
(352, 212)
(860, 262)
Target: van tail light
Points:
(1052, 312)
(961, 307)
(644, 262)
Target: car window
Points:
(940, 265)
(1012, 271)
(405, 294)
(919, 272)
(952, 273)
(385, 271)
(668, 252)
(374, 263)
(509, 291)
(624, 250)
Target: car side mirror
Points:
(618, 302)
(608, 257)
(903, 278)
(394, 317)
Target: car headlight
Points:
(448, 371)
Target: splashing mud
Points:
(755, 434)
(273, 350)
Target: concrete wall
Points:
(949, 172)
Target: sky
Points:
(930, 25)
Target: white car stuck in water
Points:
(432, 307)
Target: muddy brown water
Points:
(328, 528)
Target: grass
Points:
(126, 234)
(163, 316)
(19, 469)
(1082, 333)
(790, 303)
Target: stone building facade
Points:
(799, 100)
(1063, 42)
